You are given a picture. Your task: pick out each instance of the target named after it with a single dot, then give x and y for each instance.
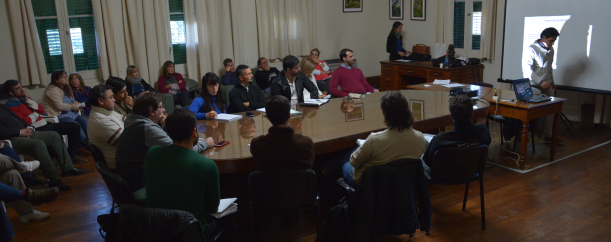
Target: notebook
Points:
(314, 102)
(227, 117)
(226, 207)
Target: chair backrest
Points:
(98, 157)
(119, 190)
(225, 92)
(482, 84)
(458, 165)
(157, 224)
(284, 190)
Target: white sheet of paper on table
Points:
(441, 82)
(453, 85)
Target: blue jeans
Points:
(8, 151)
(82, 121)
(343, 162)
(7, 194)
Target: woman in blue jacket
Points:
(394, 43)
(210, 101)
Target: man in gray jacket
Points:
(143, 130)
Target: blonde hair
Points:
(129, 72)
(307, 66)
(81, 84)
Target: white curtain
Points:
(31, 69)
(286, 27)
(489, 16)
(147, 35)
(109, 65)
(444, 26)
(209, 35)
(237, 27)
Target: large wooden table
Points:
(333, 127)
(396, 75)
(507, 106)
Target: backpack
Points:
(337, 225)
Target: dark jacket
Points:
(238, 96)
(391, 47)
(262, 77)
(463, 135)
(280, 86)
(129, 87)
(385, 202)
(10, 123)
(282, 150)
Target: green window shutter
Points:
(177, 29)
(44, 8)
(84, 49)
(175, 6)
(48, 34)
(476, 39)
(79, 7)
(459, 24)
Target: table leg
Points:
(552, 151)
(524, 144)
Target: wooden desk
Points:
(514, 109)
(333, 127)
(396, 75)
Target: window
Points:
(77, 49)
(467, 19)
(177, 31)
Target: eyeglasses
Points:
(314, 54)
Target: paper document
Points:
(360, 142)
(293, 112)
(226, 207)
(428, 137)
(453, 85)
(314, 102)
(440, 50)
(403, 60)
(354, 95)
(440, 82)
(261, 109)
(227, 117)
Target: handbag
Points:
(421, 49)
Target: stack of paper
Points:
(440, 82)
(227, 117)
(453, 85)
(428, 137)
(226, 207)
(354, 95)
(314, 102)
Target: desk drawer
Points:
(409, 71)
(389, 69)
(439, 74)
(388, 82)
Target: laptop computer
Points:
(524, 92)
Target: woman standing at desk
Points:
(394, 43)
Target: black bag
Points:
(109, 225)
(337, 225)
(418, 57)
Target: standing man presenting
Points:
(537, 63)
(349, 79)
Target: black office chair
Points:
(502, 120)
(391, 199)
(156, 224)
(456, 166)
(119, 190)
(98, 157)
(282, 192)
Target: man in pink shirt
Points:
(347, 79)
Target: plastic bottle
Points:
(446, 64)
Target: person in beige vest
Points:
(398, 141)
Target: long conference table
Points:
(508, 106)
(333, 127)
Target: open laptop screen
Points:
(522, 88)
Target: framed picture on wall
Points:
(353, 6)
(418, 10)
(417, 107)
(396, 9)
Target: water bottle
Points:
(446, 64)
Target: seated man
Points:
(178, 177)
(398, 141)
(230, 77)
(28, 141)
(143, 130)
(245, 97)
(27, 109)
(281, 149)
(105, 125)
(265, 74)
(349, 79)
(123, 102)
(291, 82)
(464, 134)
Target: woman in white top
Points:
(307, 66)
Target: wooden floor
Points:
(566, 201)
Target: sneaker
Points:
(73, 172)
(37, 197)
(59, 184)
(79, 160)
(33, 215)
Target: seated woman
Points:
(307, 67)
(322, 73)
(173, 83)
(210, 101)
(58, 101)
(80, 91)
(134, 84)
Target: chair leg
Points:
(112, 208)
(253, 224)
(502, 138)
(533, 141)
(318, 226)
(481, 195)
(564, 119)
(464, 202)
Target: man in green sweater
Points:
(179, 178)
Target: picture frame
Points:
(418, 10)
(417, 108)
(395, 9)
(351, 6)
(356, 113)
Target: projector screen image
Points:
(581, 55)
